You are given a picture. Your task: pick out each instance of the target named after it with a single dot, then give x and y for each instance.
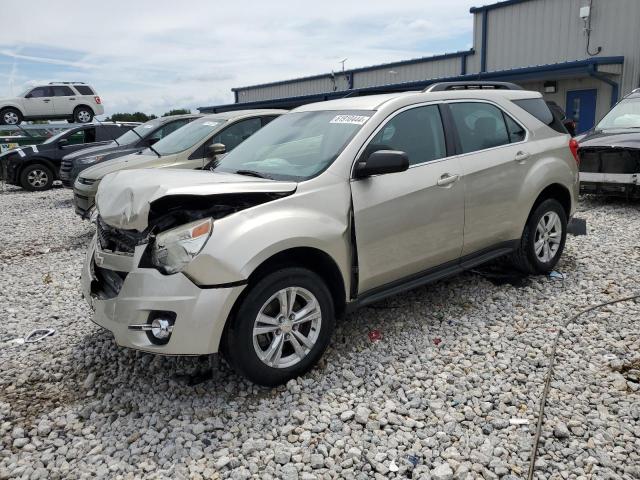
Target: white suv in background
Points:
(73, 101)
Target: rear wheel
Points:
(36, 177)
(543, 239)
(282, 327)
(82, 115)
(10, 116)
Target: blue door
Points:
(581, 108)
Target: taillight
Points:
(573, 146)
(97, 99)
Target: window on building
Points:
(417, 132)
(480, 126)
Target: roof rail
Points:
(67, 83)
(469, 85)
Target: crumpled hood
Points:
(124, 197)
(610, 138)
(126, 162)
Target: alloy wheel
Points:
(548, 236)
(10, 118)
(287, 327)
(83, 116)
(37, 178)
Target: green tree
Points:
(131, 117)
(177, 111)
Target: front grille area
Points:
(107, 283)
(117, 240)
(609, 160)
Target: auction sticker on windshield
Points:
(354, 119)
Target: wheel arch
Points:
(45, 161)
(15, 106)
(311, 258)
(83, 105)
(558, 192)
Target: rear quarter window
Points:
(539, 109)
(84, 89)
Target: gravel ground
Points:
(450, 391)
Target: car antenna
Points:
(150, 147)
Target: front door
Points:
(581, 108)
(38, 103)
(411, 221)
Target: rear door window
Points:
(418, 132)
(62, 91)
(479, 125)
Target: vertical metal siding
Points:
(551, 31)
(407, 73)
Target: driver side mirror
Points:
(216, 149)
(28, 95)
(63, 143)
(381, 162)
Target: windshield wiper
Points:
(252, 173)
(150, 147)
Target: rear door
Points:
(38, 103)
(494, 159)
(409, 222)
(64, 100)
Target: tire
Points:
(36, 177)
(82, 115)
(10, 116)
(533, 257)
(242, 349)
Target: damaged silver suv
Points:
(332, 206)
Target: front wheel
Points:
(543, 239)
(10, 116)
(36, 177)
(82, 115)
(282, 328)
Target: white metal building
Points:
(583, 54)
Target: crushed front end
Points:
(610, 171)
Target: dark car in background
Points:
(561, 115)
(610, 152)
(35, 167)
(133, 141)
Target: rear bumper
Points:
(201, 314)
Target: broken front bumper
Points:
(620, 184)
(118, 304)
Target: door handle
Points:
(71, 99)
(522, 157)
(46, 101)
(447, 179)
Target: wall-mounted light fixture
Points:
(550, 86)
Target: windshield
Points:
(143, 130)
(625, 114)
(295, 146)
(187, 136)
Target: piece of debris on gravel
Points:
(74, 405)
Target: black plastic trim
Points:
(433, 274)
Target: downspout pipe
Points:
(615, 88)
(483, 54)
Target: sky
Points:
(156, 55)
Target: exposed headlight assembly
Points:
(175, 248)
